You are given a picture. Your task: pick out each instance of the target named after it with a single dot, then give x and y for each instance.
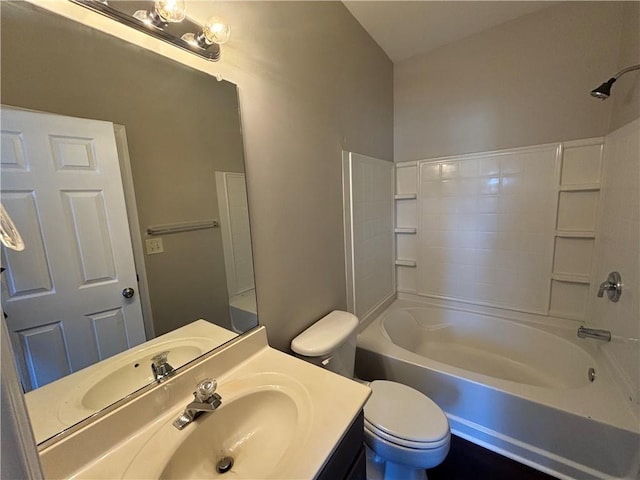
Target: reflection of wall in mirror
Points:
(180, 125)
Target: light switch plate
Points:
(154, 245)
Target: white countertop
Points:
(107, 448)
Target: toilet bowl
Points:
(405, 431)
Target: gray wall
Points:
(181, 126)
(521, 83)
(626, 91)
(311, 82)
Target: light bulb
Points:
(164, 12)
(171, 11)
(216, 30)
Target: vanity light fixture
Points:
(166, 20)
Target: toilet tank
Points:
(330, 343)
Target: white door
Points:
(63, 293)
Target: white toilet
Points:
(405, 430)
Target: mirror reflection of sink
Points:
(117, 377)
(58, 405)
(137, 371)
(261, 429)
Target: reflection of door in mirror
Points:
(61, 184)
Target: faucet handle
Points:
(613, 286)
(205, 390)
(160, 358)
(160, 366)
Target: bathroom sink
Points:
(280, 418)
(262, 425)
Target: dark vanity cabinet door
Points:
(348, 461)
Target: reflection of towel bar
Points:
(181, 227)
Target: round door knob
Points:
(128, 292)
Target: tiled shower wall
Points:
(486, 227)
(511, 229)
(618, 248)
(368, 185)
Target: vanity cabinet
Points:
(348, 460)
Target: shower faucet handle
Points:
(613, 286)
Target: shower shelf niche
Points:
(406, 210)
(591, 187)
(570, 234)
(579, 186)
(406, 263)
(571, 278)
(406, 196)
(406, 230)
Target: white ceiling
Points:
(407, 28)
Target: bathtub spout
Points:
(584, 332)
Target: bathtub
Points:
(518, 388)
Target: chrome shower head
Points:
(604, 91)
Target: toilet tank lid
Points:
(325, 335)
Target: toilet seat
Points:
(405, 417)
(404, 443)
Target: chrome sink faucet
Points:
(160, 366)
(205, 400)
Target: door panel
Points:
(61, 185)
(45, 350)
(26, 275)
(110, 331)
(87, 222)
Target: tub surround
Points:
(108, 447)
(552, 418)
(507, 242)
(512, 229)
(619, 246)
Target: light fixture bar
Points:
(122, 12)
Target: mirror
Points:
(178, 148)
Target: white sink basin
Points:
(262, 425)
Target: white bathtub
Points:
(510, 386)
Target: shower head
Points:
(604, 91)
